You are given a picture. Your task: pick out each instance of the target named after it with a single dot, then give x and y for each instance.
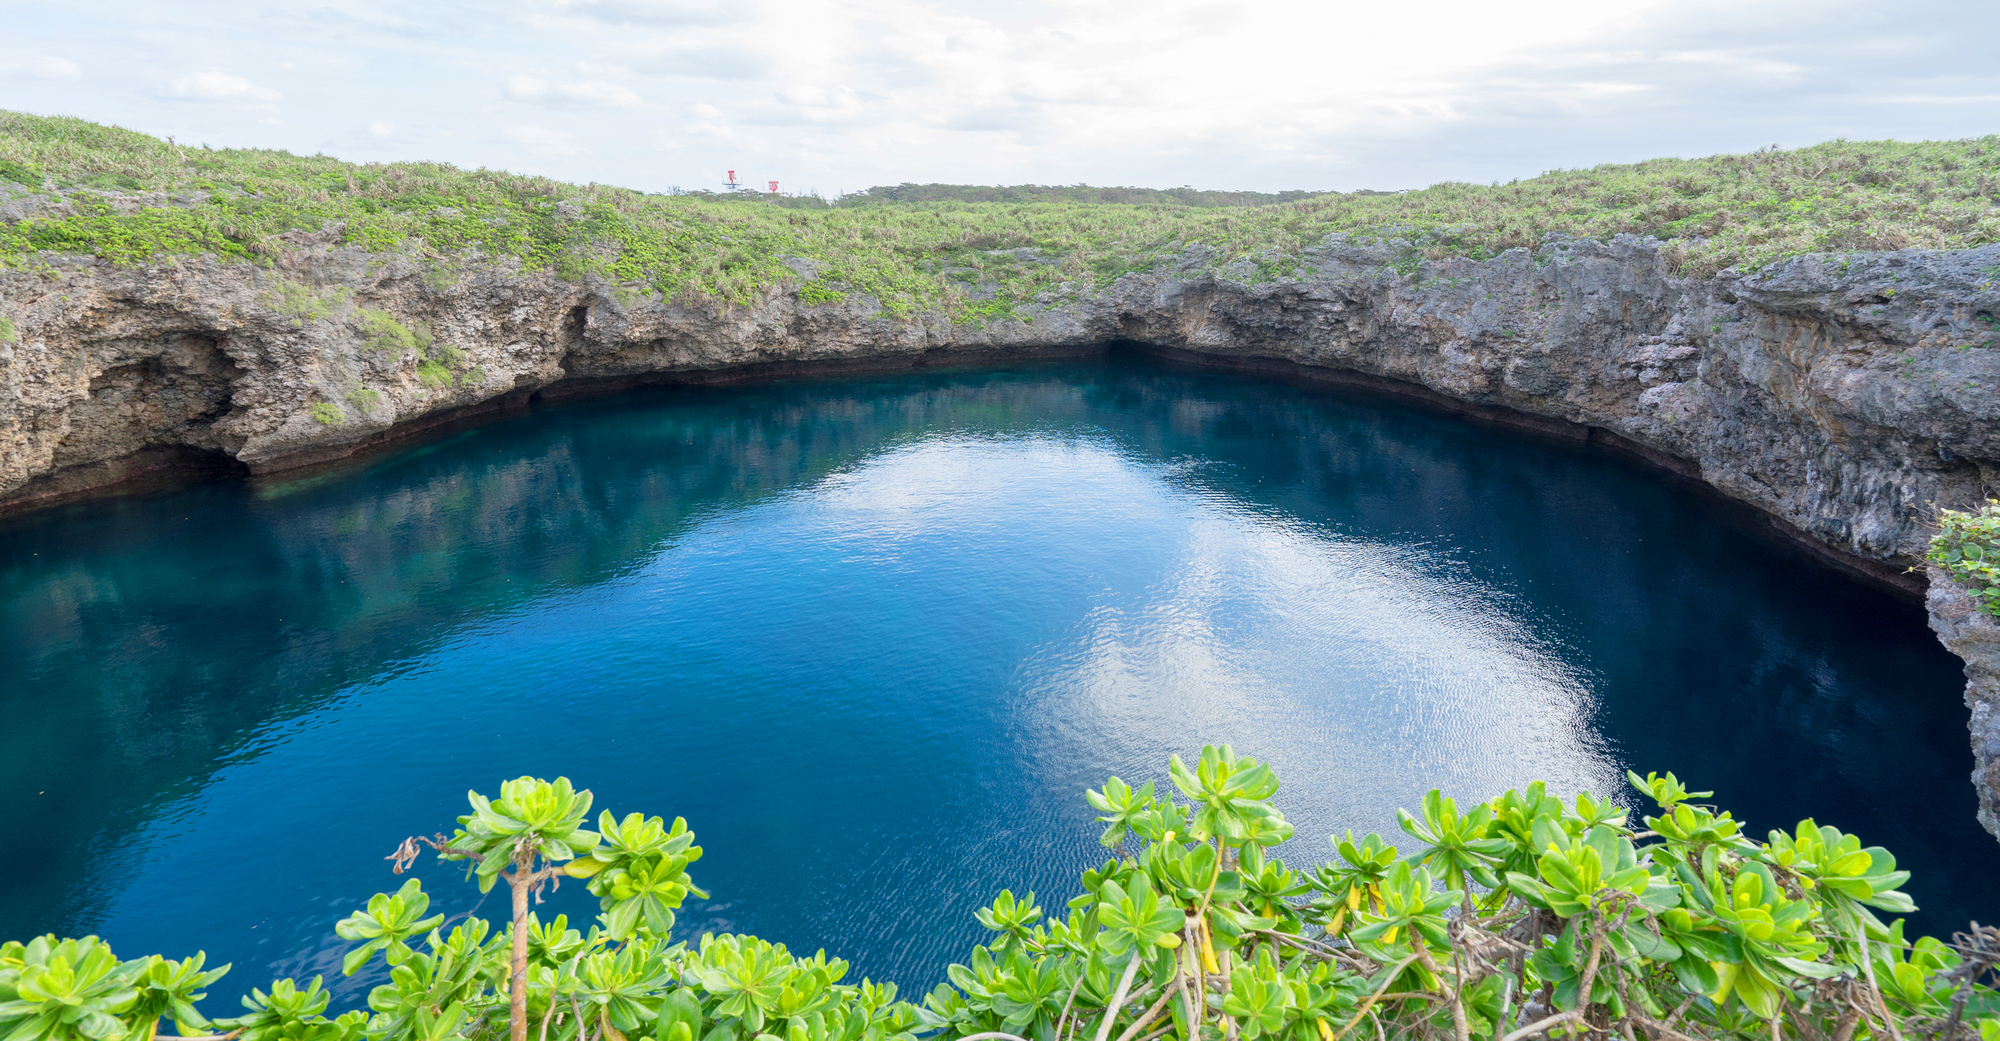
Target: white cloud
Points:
(721, 61)
(381, 129)
(600, 92)
(42, 67)
(661, 13)
(818, 97)
(214, 85)
(1269, 95)
(1738, 62)
(543, 141)
(583, 92)
(527, 88)
(1941, 99)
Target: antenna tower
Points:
(732, 183)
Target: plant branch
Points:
(1118, 999)
(1063, 1019)
(1460, 1030)
(1656, 1027)
(1152, 1013)
(1543, 1024)
(1373, 998)
(1868, 969)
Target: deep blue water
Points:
(873, 637)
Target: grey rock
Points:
(1974, 636)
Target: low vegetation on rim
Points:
(971, 252)
(1967, 547)
(1524, 916)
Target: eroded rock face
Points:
(148, 394)
(1975, 637)
(1841, 396)
(1846, 397)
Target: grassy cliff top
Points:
(130, 198)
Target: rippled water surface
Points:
(873, 637)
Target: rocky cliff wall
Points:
(1975, 637)
(1847, 397)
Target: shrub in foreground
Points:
(1519, 917)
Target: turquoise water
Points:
(873, 637)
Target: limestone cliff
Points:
(1845, 396)
(1974, 636)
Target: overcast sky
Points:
(837, 95)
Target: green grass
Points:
(301, 305)
(919, 247)
(381, 331)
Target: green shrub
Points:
(8, 334)
(818, 292)
(433, 375)
(302, 305)
(20, 173)
(451, 357)
(1967, 547)
(364, 398)
(326, 412)
(380, 331)
(441, 362)
(1515, 917)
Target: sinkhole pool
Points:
(874, 636)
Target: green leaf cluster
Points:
(1967, 547)
(1521, 915)
(73, 990)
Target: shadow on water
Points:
(872, 636)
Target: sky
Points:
(834, 96)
